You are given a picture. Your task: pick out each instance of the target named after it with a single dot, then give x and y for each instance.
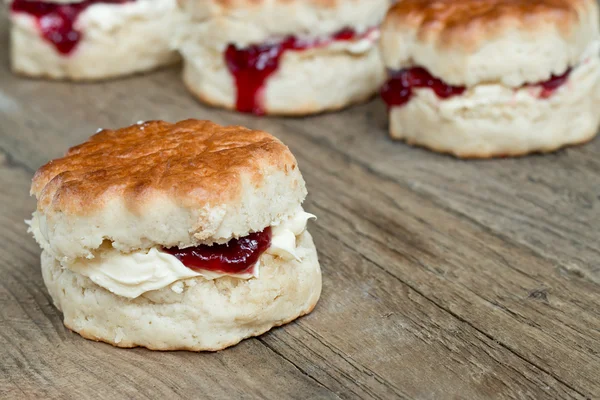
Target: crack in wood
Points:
(467, 322)
(278, 353)
(8, 160)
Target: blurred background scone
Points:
(92, 39)
(492, 78)
(290, 57)
(176, 236)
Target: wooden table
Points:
(441, 278)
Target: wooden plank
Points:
(548, 203)
(442, 278)
(370, 337)
(40, 358)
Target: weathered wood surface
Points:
(442, 278)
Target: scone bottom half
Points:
(234, 276)
(457, 86)
(251, 67)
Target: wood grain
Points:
(442, 278)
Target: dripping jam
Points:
(56, 21)
(251, 66)
(399, 88)
(238, 256)
(550, 86)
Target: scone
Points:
(288, 57)
(492, 78)
(91, 39)
(176, 236)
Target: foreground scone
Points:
(290, 57)
(176, 236)
(492, 78)
(91, 39)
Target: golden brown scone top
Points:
(471, 21)
(195, 163)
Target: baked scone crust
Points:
(198, 163)
(157, 183)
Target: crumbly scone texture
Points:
(194, 314)
(306, 82)
(469, 42)
(244, 22)
(496, 121)
(158, 183)
(116, 40)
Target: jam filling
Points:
(399, 88)
(56, 21)
(251, 66)
(550, 86)
(238, 256)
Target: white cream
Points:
(494, 101)
(130, 275)
(283, 238)
(103, 15)
(360, 46)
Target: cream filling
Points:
(496, 101)
(130, 275)
(100, 18)
(498, 98)
(107, 17)
(203, 55)
(363, 44)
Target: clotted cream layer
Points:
(130, 275)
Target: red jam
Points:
(56, 21)
(550, 86)
(398, 90)
(237, 256)
(251, 66)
